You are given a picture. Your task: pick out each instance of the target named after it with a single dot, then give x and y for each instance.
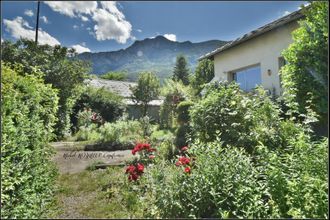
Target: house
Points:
(122, 88)
(255, 58)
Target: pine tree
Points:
(181, 72)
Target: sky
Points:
(108, 26)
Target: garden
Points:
(215, 151)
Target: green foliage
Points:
(305, 76)
(181, 71)
(120, 134)
(120, 76)
(223, 184)
(297, 177)
(60, 68)
(183, 111)
(238, 118)
(28, 115)
(174, 92)
(109, 105)
(181, 135)
(204, 73)
(146, 90)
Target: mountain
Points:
(151, 54)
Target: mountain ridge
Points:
(151, 54)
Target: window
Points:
(248, 78)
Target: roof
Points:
(156, 102)
(119, 87)
(268, 27)
(122, 89)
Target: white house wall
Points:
(264, 50)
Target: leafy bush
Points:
(120, 76)
(223, 183)
(183, 111)
(305, 76)
(174, 93)
(109, 105)
(229, 183)
(238, 118)
(28, 111)
(110, 136)
(64, 73)
(297, 177)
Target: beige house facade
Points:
(255, 58)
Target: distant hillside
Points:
(157, 54)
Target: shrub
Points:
(183, 111)
(28, 111)
(238, 118)
(174, 92)
(109, 105)
(60, 68)
(305, 76)
(222, 183)
(297, 177)
(111, 136)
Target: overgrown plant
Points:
(28, 116)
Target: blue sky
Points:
(107, 26)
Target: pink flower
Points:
(185, 148)
(152, 156)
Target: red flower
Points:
(133, 176)
(184, 160)
(184, 148)
(152, 156)
(140, 167)
(178, 163)
(187, 170)
(130, 169)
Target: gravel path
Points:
(70, 159)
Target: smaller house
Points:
(122, 88)
(255, 58)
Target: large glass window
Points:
(248, 78)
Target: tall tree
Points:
(181, 71)
(64, 73)
(147, 89)
(204, 73)
(305, 76)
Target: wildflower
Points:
(130, 169)
(187, 170)
(152, 156)
(185, 148)
(184, 160)
(140, 167)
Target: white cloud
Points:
(75, 27)
(84, 18)
(28, 13)
(110, 22)
(44, 19)
(72, 8)
(80, 49)
(171, 37)
(21, 28)
(139, 30)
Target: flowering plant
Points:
(184, 160)
(146, 156)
